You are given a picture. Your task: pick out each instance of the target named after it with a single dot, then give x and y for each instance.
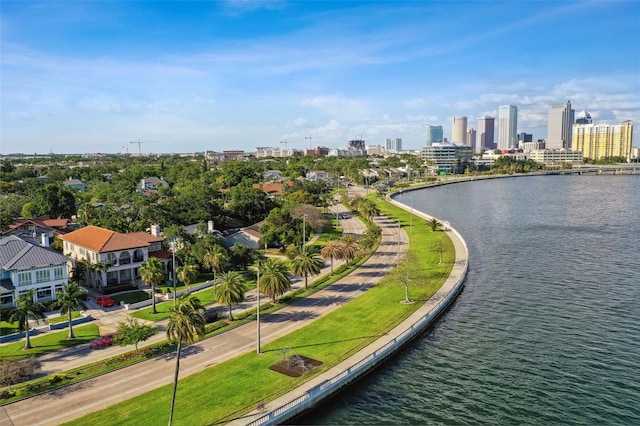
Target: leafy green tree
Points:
(186, 324)
(27, 309)
(241, 256)
(274, 281)
(215, 259)
(132, 332)
(55, 201)
(229, 290)
(152, 273)
(305, 263)
(70, 299)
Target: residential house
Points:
(75, 184)
(152, 183)
(121, 254)
(317, 175)
(249, 236)
(40, 230)
(25, 266)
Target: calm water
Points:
(547, 330)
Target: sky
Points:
(94, 76)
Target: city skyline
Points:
(196, 76)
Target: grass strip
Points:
(50, 342)
(63, 318)
(235, 387)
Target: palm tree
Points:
(187, 273)
(349, 248)
(27, 309)
(367, 209)
(274, 280)
(434, 224)
(70, 299)
(215, 259)
(305, 263)
(230, 290)
(186, 323)
(98, 268)
(332, 250)
(152, 273)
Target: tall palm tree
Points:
(79, 272)
(187, 273)
(152, 273)
(349, 247)
(98, 268)
(305, 263)
(215, 259)
(70, 299)
(186, 324)
(230, 290)
(332, 250)
(274, 280)
(368, 209)
(27, 309)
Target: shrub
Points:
(117, 288)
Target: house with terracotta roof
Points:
(24, 266)
(123, 254)
(38, 229)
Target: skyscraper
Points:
(459, 130)
(559, 125)
(470, 140)
(507, 127)
(434, 135)
(486, 131)
(583, 118)
(393, 145)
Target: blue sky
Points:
(91, 76)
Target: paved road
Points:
(101, 392)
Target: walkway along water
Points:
(324, 386)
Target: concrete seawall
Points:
(312, 393)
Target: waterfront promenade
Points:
(325, 385)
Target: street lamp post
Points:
(173, 271)
(258, 313)
(304, 230)
(411, 218)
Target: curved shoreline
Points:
(317, 390)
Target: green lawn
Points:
(8, 327)
(63, 318)
(230, 389)
(50, 342)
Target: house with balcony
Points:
(24, 266)
(114, 258)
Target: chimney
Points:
(155, 230)
(210, 227)
(44, 240)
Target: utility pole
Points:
(258, 312)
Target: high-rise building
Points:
(434, 135)
(470, 140)
(394, 145)
(486, 127)
(459, 130)
(559, 125)
(599, 141)
(583, 118)
(507, 127)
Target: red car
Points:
(103, 341)
(105, 301)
